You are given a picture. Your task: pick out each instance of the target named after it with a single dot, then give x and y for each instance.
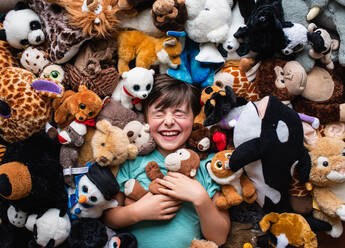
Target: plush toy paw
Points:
(336, 231)
(16, 218)
(222, 203)
(341, 212)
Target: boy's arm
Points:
(215, 223)
(149, 207)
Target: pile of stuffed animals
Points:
(73, 75)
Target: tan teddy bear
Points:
(111, 147)
(328, 175)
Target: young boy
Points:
(185, 209)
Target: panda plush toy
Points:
(22, 27)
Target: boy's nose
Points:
(169, 120)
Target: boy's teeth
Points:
(169, 133)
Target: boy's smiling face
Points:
(170, 127)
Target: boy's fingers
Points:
(168, 216)
(174, 174)
(170, 210)
(165, 183)
(166, 192)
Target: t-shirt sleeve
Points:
(205, 179)
(124, 174)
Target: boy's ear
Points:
(3, 35)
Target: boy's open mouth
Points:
(172, 133)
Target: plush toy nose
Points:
(229, 47)
(103, 159)
(38, 39)
(144, 95)
(5, 185)
(262, 19)
(81, 118)
(82, 199)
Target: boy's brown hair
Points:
(170, 92)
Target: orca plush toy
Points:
(268, 139)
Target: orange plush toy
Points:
(236, 186)
(183, 160)
(82, 106)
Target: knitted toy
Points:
(288, 229)
(327, 175)
(183, 160)
(94, 68)
(323, 45)
(236, 186)
(147, 51)
(82, 106)
(169, 15)
(264, 133)
(139, 135)
(22, 27)
(134, 87)
(111, 146)
(64, 39)
(72, 138)
(26, 104)
(95, 18)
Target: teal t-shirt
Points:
(185, 226)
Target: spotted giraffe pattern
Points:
(6, 57)
(29, 112)
(241, 86)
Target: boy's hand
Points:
(156, 207)
(183, 188)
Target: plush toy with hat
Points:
(323, 45)
(147, 51)
(288, 229)
(22, 26)
(82, 106)
(134, 87)
(184, 161)
(111, 147)
(94, 68)
(72, 137)
(169, 15)
(236, 186)
(265, 133)
(95, 18)
(139, 135)
(64, 39)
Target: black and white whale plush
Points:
(268, 138)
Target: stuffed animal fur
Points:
(184, 161)
(111, 147)
(289, 230)
(82, 106)
(134, 87)
(236, 186)
(323, 45)
(139, 135)
(169, 15)
(95, 18)
(327, 175)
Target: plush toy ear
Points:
(335, 44)
(124, 75)
(21, 5)
(82, 88)
(104, 126)
(335, 130)
(169, 42)
(311, 136)
(3, 35)
(312, 27)
(147, 128)
(132, 151)
(152, 72)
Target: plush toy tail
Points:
(267, 220)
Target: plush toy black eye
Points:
(103, 144)
(84, 189)
(54, 74)
(139, 135)
(170, 11)
(93, 198)
(219, 165)
(82, 106)
(343, 152)
(24, 42)
(91, 114)
(148, 87)
(34, 25)
(208, 90)
(325, 163)
(136, 87)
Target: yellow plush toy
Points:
(147, 51)
(289, 229)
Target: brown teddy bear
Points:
(82, 106)
(183, 160)
(111, 147)
(169, 15)
(328, 175)
(236, 186)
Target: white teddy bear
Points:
(135, 86)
